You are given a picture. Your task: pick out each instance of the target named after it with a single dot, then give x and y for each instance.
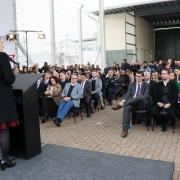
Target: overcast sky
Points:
(34, 15)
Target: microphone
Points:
(13, 61)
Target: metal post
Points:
(27, 51)
(80, 36)
(15, 28)
(144, 55)
(67, 53)
(102, 33)
(52, 32)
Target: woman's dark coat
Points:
(8, 111)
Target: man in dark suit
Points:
(150, 82)
(96, 89)
(42, 87)
(125, 65)
(165, 97)
(126, 81)
(86, 97)
(135, 98)
(44, 84)
(106, 69)
(63, 80)
(114, 85)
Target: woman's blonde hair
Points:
(157, 77)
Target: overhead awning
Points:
(155, 12)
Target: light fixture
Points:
(41, 36)
(11, 37)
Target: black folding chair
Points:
(142, 112)
(75, 110)
(162, 113)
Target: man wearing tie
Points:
(150, 82)
(44, 84)
(63, 80)
(96, 89)
(135, 98)
(86, 97)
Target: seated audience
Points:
(177, 72)
(44, 83)
(131, 75)
(150, 82)
(34, 70)
(86, 96)
(71, 95)
(63, 80)
(45, 67)
(135, 67)
(110, 86)
(154, 76)
(125, 65)
(96, 89)
(165, 98)
(25, 70)
(126, 81)
(145, 67)
(16, 70)
(135, 98)
(114, 86)
(53, 94)
(103, 90)
(173, 78)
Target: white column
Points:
(102, 33)
(52, 32)
(80, 35)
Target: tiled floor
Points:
(102, 133)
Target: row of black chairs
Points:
(151, 121)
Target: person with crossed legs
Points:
(135, 98)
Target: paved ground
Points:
(102, 133)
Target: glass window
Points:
(90, 47)
(96, 47)
(84, 47)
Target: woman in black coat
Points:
(8, 113)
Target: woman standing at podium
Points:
(8, 113)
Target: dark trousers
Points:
(111, 93)
(95, 97)
(50, 107)
(129, 106)
(171, 112)
(87, 103)
(125, 88)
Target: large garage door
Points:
(167, 44)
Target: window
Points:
(96, 47)
(90, 47)
(84, 47)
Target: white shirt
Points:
(46, 81)
(83, 84)
(137, 88)
(147, 81)
(165, 83)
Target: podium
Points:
(25, 138)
